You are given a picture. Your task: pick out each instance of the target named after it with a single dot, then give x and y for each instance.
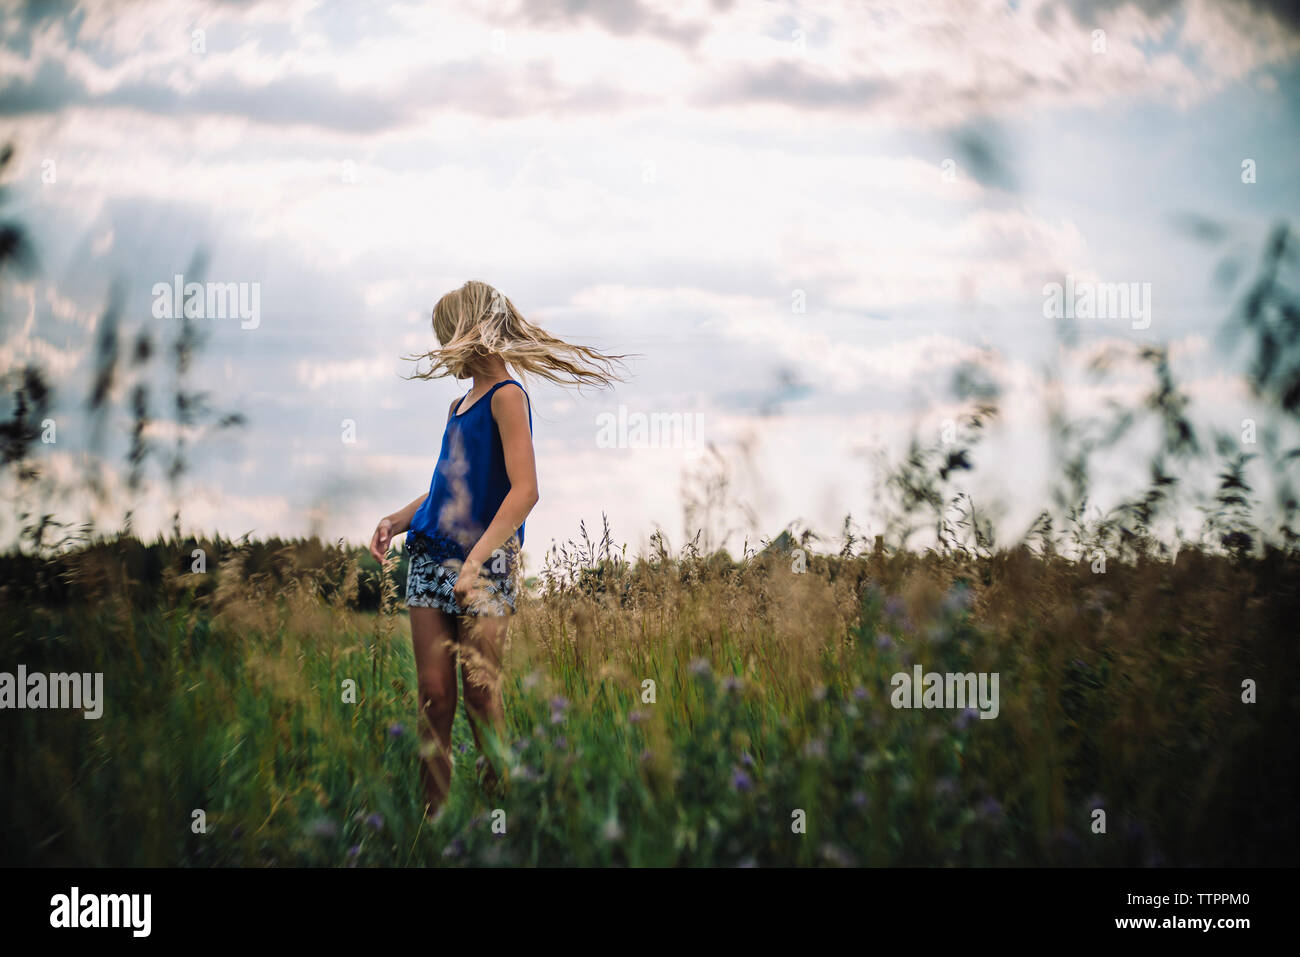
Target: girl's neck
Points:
(492, 371)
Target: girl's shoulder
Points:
(502, 388)
(507, 400)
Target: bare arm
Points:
(399, 521)
(510, 409)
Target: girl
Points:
(464, 535)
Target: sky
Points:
(800, 220)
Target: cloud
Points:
(311, 101)
(627, 18)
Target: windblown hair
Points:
(477, 320)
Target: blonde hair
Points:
(476, 321)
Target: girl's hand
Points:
(467, 584)
(382, 538)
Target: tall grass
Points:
(771, 696)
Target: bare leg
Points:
(482, 643)
(433, 632)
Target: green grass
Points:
(772, 694)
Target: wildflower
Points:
(884, 642)
(1067, 838)
(322, 827)
(989, 809)
(559, 705)
(860, 799)
(731, 684)
(964, 719)
(836, 855)
(894, 607)
(353, 853)
(860, 693)
(741, 781)
(636, 717)
(959, 599)
(395, 730)
(746, 760)
(945, 788)
(612, 831)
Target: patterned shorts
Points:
(434, 566)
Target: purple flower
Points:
(990, 809)
(959, 599)
(945, 788)
(1067, 838)
(884, 642)
(395, 730)
(963, 720)
(354, 850)
(860, 799)
(636, 717)
(860, 693)
(746, 760)
(894, 607)
(731, 684)
(559, 705)
(741, 781)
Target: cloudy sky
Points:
(802, 219)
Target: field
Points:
(769, 739)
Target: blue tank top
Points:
(470, 481)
